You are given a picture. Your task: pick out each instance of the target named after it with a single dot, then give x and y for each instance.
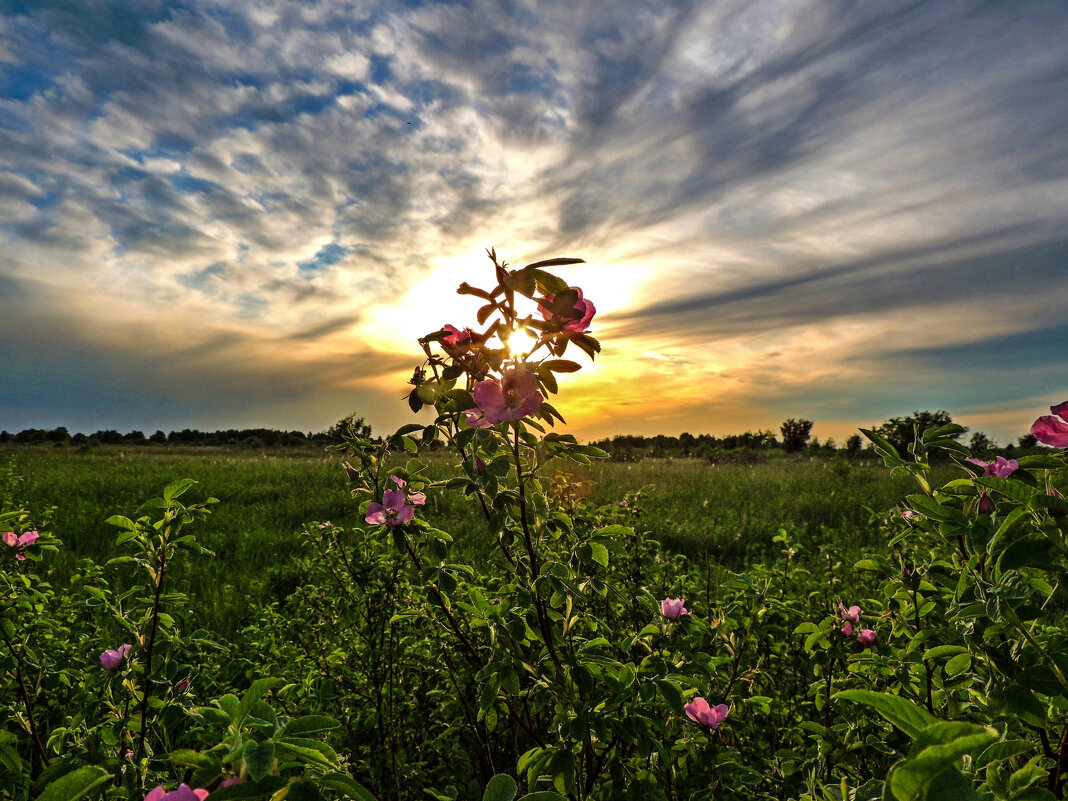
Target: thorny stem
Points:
(26, 702)
(539, 605)
(146, 690)
(472, 653)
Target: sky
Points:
(224, 214)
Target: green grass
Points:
(726, 513)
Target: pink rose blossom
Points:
(577, 319)
(183, 793)
(416, 498)
(850, 616)
(699, 711)
(515, 396)
(112, 658)
(1050, 430)
(20, 542)
(911, 516)
(999, 468)
(673, 608)
(476, 419)
(866, 637)
(455, 337)
(393, 511)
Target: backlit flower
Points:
(999, 468)
(515, 395)
(866, 637)
(183, 793)
(699, 711)
(112, 658)
(673, 608)
(455, 337)
(1050, 430)
(393, 511)
(576, 319)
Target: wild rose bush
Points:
(926, 659)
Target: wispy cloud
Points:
(794, 204)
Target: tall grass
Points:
(724, 514)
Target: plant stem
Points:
(27, 703)
(146, 687)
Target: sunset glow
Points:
(230, 214)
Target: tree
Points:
(795, 434)
(980, 442)
(1028, 441)
(852, 445)
(901, 431)
(349, 427)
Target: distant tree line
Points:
(352, 425)
(795, 438)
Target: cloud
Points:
(752, 183)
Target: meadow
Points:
(728, 513)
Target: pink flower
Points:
(112, 658)
(699, 711)
(576, 319)
(455, 337)
(476, 419)
(673, 608)
(911, 516)
(20, 542)
(999, 468)
(417, 498)
(393, 511)
(183, 793)
(1050, 430)
(850, 616)
(866, 637)
(986, 504)
(230, 782)
(515, 396)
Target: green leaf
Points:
(950, 785)
(122, 522)
(258, 790)
(500, 788)
(557, 262)
(561, 365)
(937, 748)
(259, 688)
(899, 711)
(310, 723)
(347, 785)
(1016, 490)
(177, 488)
(999, 752)
(672, 695)
(599, 554)
(76, 784)
(543, 795)
(258, 758)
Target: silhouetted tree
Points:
(901, 431)
(795, 434)
(854, 443)
(980, 442)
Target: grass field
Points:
(726, 513)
